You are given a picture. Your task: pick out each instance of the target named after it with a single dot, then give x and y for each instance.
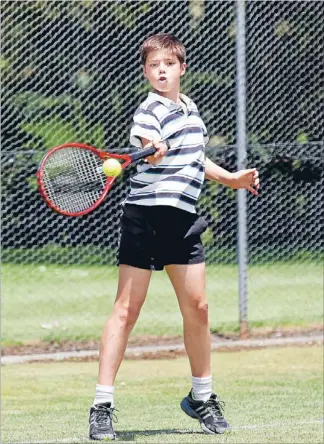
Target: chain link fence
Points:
(71, 72)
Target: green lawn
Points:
(74, 301)
(271, 395)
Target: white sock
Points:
(104, 393)
(201, 388)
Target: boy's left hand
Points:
(248, 179)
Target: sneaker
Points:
(208, 413)
(100, 422)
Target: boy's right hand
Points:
(161, 149)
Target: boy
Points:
(160, 228)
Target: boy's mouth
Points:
(162, 78)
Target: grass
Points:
(272, 396)
(72, 302)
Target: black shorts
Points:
(152, 237)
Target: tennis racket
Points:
(71, 180)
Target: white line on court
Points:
(81, 440)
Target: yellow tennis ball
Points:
(112, 167)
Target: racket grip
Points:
(142, 153)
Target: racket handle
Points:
(143, 153)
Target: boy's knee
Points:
(127, 315)
(198, 310)
(202, 310)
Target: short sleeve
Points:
(146, 125)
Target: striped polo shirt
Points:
(178, 179)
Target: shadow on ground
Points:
(130, 434)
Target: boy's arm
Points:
(240, 179)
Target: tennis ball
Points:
(111, 167)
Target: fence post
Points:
(241, 159)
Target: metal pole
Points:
(241, 159)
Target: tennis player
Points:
(161, 229)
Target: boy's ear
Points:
(183, 69)
(144, 70)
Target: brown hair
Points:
(163, 41)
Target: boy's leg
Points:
(132, 288)
(189, 284)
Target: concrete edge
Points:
(137, 351)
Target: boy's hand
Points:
(161, 149)
(248, 179)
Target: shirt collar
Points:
(170, 103)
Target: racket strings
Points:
(73, 179)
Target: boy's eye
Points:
(153, 65)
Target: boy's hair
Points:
(163, 41)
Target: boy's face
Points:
(163, 70)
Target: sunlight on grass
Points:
(271, 395)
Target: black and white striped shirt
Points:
(177, 180)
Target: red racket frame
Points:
(127, 160)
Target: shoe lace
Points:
(216, 407)
(103, 413)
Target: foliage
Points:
(38, 58)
